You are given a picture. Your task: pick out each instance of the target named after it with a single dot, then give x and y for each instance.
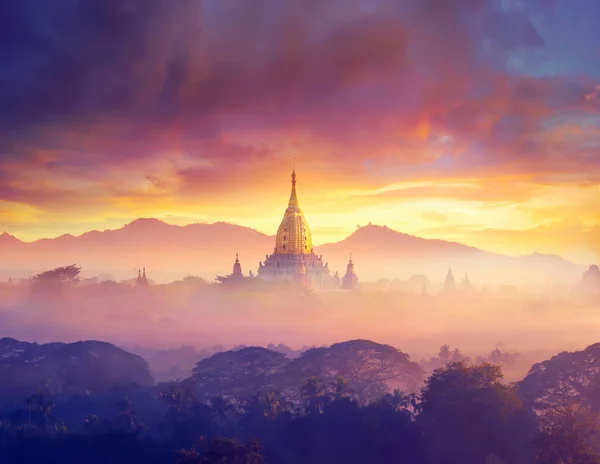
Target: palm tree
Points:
(401, 402)
(339, 388)
(445, 354)
(313, 393)
(42, 407)
(275, 403)
(222, 408)
(125, 416)
(178, 398)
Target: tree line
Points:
(463, 414)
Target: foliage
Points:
(368, 368)
(464, 414)
(60, 275)
(74, 367)
(222, 451)
(462, 403)
(564, 378)
(566, 436)
(238, 373)
(53, 282)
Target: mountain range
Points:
(171, 252)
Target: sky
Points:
(475, 121)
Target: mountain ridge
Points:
(172, 251)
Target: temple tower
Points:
(466, 285)
(142, 280)
(294, 250)
(350, 280)
(237, 267)
(450, 283)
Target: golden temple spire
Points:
(293, 203)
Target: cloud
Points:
(435, 217)
(126, 105)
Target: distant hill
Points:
(170, 252)
(59, 367)
(380, 252)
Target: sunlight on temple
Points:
(293, 258)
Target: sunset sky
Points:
(475, 121)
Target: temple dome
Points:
(293, 235)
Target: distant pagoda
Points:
(236, 276)
(142, 280)
(350, 280)
(449, 283)
(466, 286)
(293, 258)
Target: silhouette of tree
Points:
(53, 282)
(566, 435)
(222, 451)
(223, 409)
(467, 413)
(314, 394)
(565, 378)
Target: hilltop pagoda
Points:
(293, 258)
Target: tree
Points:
(314, 394)
(445, 354)
(222, 451)
(563, 379)
(566, 436)
(126, 419)
(467, 414)
(238, 373)
(368, 368)
(53, 282)
(398, 401)
(223, 409)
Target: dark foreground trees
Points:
(463, 415)
(469, 415)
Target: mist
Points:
(415, 318)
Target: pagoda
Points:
(350, 281)
(293, 258)
(466, 285)
(142, 280)
(449, 283)
(237, 274)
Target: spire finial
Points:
(293, 197)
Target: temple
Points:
(350, 281)
(590, 282)
(449, 283)
(236, 276)
(466, 285)
(293, 258)
(142, 281)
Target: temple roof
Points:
(293, 235)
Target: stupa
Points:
(293, 258)
(350, 281)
